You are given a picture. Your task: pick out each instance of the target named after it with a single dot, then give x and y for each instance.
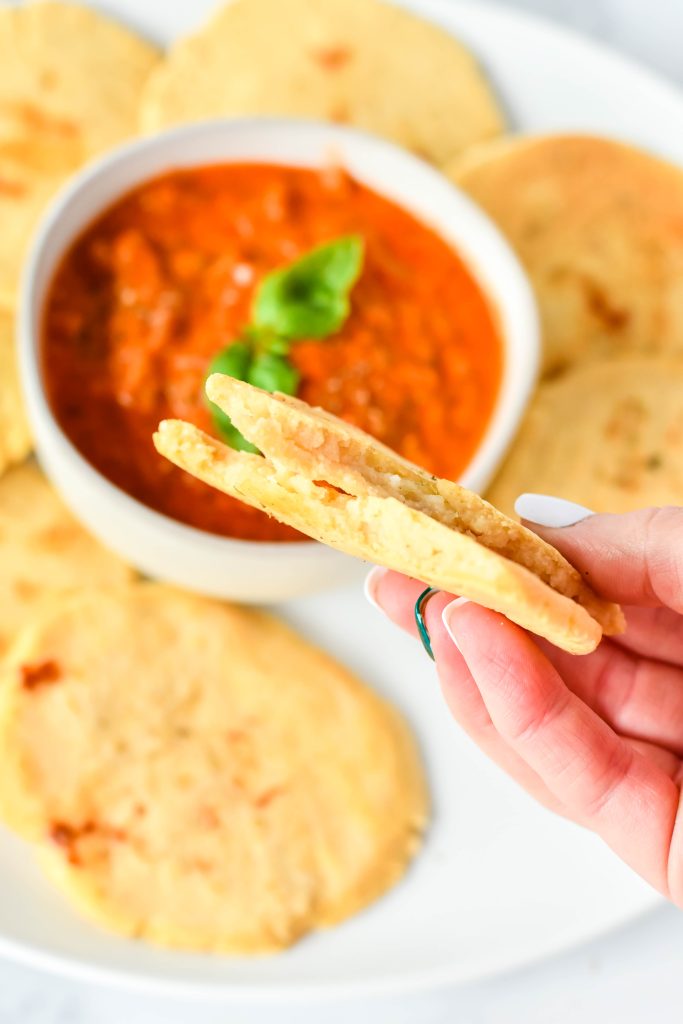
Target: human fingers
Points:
(653, 631)
(396, 595)
(599, 777)
(664, 759)
(635, 558)
(637, 696)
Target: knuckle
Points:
(602, 787)
(533, 712)
(674, 866)
(663, 555)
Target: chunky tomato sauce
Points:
(164, 279)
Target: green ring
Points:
(422, 630)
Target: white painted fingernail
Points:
(544, 510)
(372, 582)
(446, 616)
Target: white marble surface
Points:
(630, 976)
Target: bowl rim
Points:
(30, 310)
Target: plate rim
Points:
(309, 993)
(387, 983)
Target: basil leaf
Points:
(264, 339)
(273, 373)
(309, 319)
(274, 343)
(231, 434)
(334, 266)
(233, 361)
(310, 298)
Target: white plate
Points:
(500, 882)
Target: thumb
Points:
(633, 558)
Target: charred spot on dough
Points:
(340, 113)
(332, 58)
(62, 834)
(33, 118)
(25, 590)
(12, 189)
(599, 303)
(54, 537)
(39, 674)
(326, 486)
(67, 836)
(265, 798)
(420, 151)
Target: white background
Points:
(630, 977)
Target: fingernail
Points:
(544, 510)
(446, 617)
(371, 585)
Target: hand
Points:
(597, 738)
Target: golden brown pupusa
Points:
(338, 485)
(198, 775)
(598, 226)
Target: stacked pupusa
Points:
(338, 485)
(599, 227)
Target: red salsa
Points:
(164, 278)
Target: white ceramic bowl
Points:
(172, 551)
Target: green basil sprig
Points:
(307, 299)
(234, 361)
(310, 298)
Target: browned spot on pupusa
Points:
(49, 78)
(332, 58)
(55, 537)
(208, 817)
(340, 114)
(36, 139)
(11, 188)
(627, 420)
(67, 836)
(25, 590)
(324, 485)
(265, 798)
(39, 673)
(35, 119)
(626, 426)
(613, 317)
(64, 835)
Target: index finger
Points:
(635, 558)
